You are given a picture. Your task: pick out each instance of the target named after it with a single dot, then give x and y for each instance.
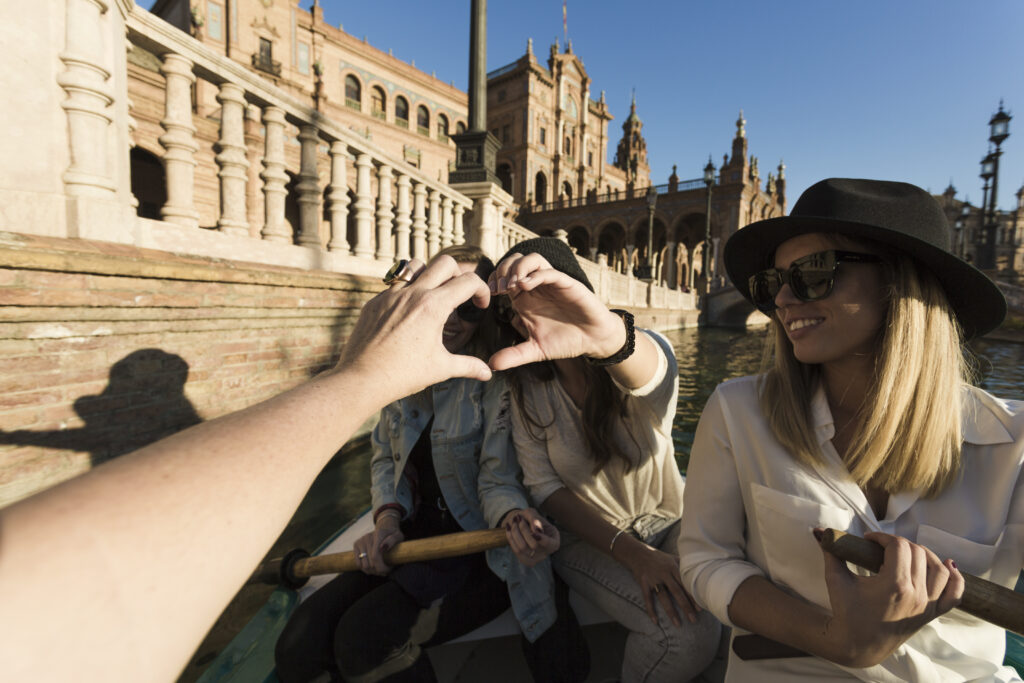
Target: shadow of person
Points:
(144, 401)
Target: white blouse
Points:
(749, 510)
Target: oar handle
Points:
(294, 569)
(983, 599)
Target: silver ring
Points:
(362, 556)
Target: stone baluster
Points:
(275, 180)
(419, 222)
(385, 251)
(89, 92)
(364, 207)
(434, 224)
(402, 217)
(446, 222)
(308, 188)
(233, 172)
(459, 231)
(179, 141)
(338, 197)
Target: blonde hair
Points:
(908, 434)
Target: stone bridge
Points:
(725, 307)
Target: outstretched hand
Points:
(557, 314)
(397, 339)
(874, 615)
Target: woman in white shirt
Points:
(592, 426)
(865, 423)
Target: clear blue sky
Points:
(895, 89)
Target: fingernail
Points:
(502, 284)
(512, 281)
(953, 562)
(818, 535)
(537, 537)
(493, 286)
(517, 518)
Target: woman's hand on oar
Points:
(874, 615)
(530, 536)
(980, 598)
(371, 548)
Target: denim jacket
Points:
(477, 471)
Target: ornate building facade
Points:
(969, 234)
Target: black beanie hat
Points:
(556, 252)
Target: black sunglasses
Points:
(470, 312)
(811, 277)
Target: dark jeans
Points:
(369, 628)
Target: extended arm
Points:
(138, 557)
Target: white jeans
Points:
(654, 652)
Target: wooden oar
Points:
(295, 568)
(983, 599)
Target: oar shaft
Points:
(297, 566)
(983, 599)
(420, 550)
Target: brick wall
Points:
(105, 348)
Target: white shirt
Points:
(749, 509)
(559, 459)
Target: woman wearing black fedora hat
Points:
(863, 421)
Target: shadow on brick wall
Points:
(144, 401)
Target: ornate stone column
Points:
(459, 230)
(231, 159)
(338, 197)
(668, 271)
(308, 188)
(179, 141)
(364, 207)
(385, 252)
(419, 222)
(434, 224)
(275, 180)
(446, 222)
(402, 217)
(89, 91)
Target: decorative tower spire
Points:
(739, 143)
(741, 131)
(631, 155)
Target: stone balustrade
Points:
(398, 212)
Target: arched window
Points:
(442, 128)
(402, 111)
(353, 92)
(378, 102)
(460, 128)
(422, 120)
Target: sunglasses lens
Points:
(468, 312)
(811, 284)
(763, 288)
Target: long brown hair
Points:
(603, 406)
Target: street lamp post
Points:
(646, 272)
(709, 180)
(982, 251)
(999, 130)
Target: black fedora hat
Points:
(899, 215)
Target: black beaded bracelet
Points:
(627, 349)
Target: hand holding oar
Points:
(983, 599)
(295, 568)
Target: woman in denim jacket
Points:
(443, 462)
